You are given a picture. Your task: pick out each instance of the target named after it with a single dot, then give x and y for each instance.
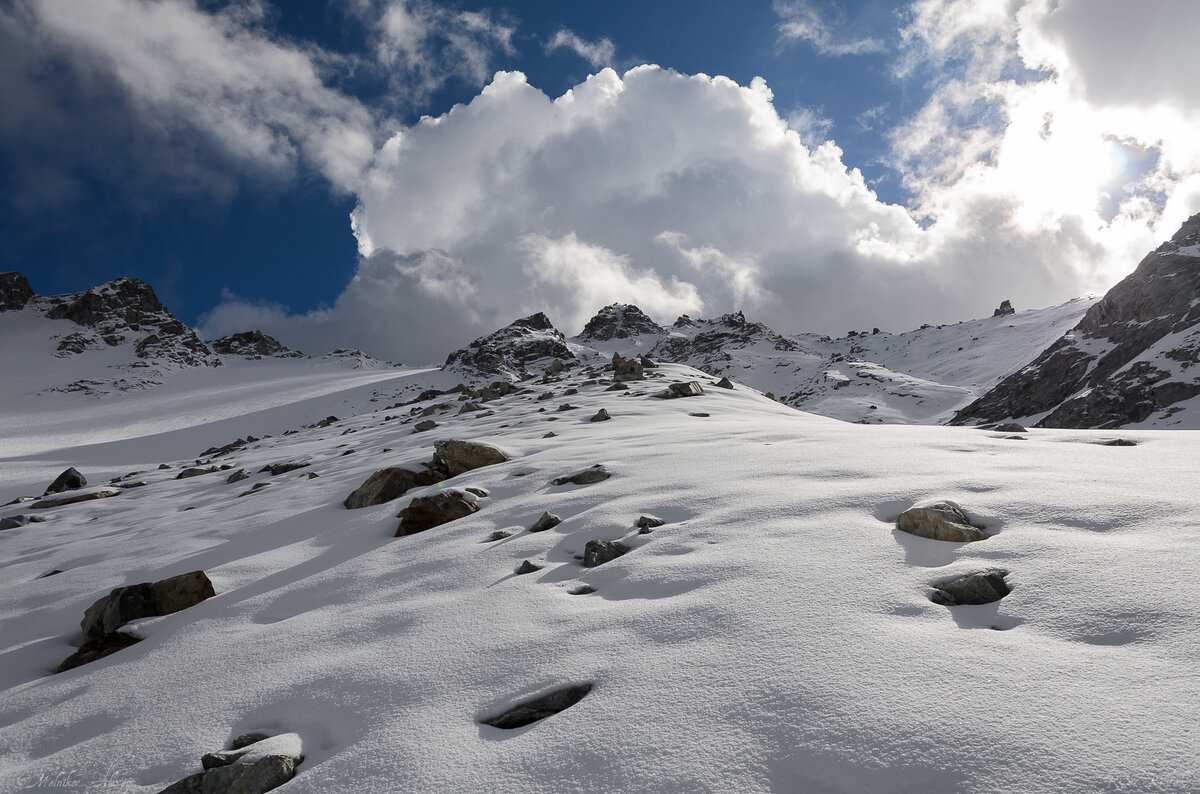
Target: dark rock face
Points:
(707, 348)
(510, 351)
(144, 600)
(462, 456)
(539, 708)
(940, 522)
(275, 469)
(386, 485)
(97, 648)
(263, 775)
(601, 416)
(15, 291)
(12, 522)
(69, 480)
(1114, 367)
(1005, 309)
(689, 389)
(619, 321)
(127, 299)
(546, 521)
(981, 587)
(598, 552)
(427, 512)
(527, 567)
(253, 344)
(585, 477)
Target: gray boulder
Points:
(12, 522)
(238, 476)
(689, 389)
(981, 587)
(421, 427)
(427, 512)
(103, 493)
(69, 480)
(585, 477)
(463, 456)
(598, 552)
(1005, 309)
(724, 383)
(262, 775)
(539, 708)
(147, 599)
(940, 522)
(386, 485)
(601, 416)
(547, 521)
(527, 567)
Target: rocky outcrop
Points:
(1005, 309)
(386, 485)
(60, 501)
(511, 351)
(598, 552)
(619, 321)
(14, 291)
(252, 345)
(1129, 359)
(147, 599)
(69, 480)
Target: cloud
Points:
(597, 53)
(801, 21)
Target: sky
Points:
(402, 176)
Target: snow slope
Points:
(774, 635)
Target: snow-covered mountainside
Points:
(721, 598)
(1129, 360)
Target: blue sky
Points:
(217, 150)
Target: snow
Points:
(774, 634)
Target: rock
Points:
(463, 456)
(12, 522)
(598, 552)
(238, 476)
(585, 477)
(386, 485)
(1118, 442)
(103, 493)
(15, 291)
(556, 366)
(477, 491)
(69, 480)
(583, 589)
(617, 387)
(981, 587)
(326, 422)
(551, 434)
(547, 521)
(629, 370)
(688, 389)
(499, 534)
(546, 395)
(724, 383)
(566, 407)
(508, 352)
(527, 567)
(427, 512)
(469, 407)
(265, 774)
(253, 345)
(147, 599)
(601, 416)
(940, 522)
(1009, 427)
(97, 648)
(539, 708)
(276, 469)
(649, 522)
(1005, 309)
(134, 484)
(421, 427)
(195, 472)
(619, 321)
(700, 414)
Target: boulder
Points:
(649, 522)
(1005, 309)
(499, 534)
(427, 512)
(69, 480)
(386, 485)
(527, 567)
(265, 774)
(598, 552)
(539, 708)
(147, 599)
(940, 522)
(547, 521)
(12, 522)
(103, 493)
(195, 472)
(421, 427)
(601, 416)
(724, 383)
(689, 389)
(633, 369)
(583, 589)
(617, 387)
(238, 476)
(462, 456)
(276, 469)
(1010, 427)
(981, 587)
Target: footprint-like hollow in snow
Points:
(539, 708)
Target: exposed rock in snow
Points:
(386, 485)
(619, 321)
(1005, 309)
(980, 587)
(531, 342)
(90, 496)
(598, 552)
(585, 477)
(527, 567)
(427, 512)
(12, 522)
(539, 708)
(14, 291)
(1126, 361)
(940, 522)
(147, 599)
(458, 456)
(252, 345)
(69, 480)
(546, 521)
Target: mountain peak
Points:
(15, 291)
(511, 350)
(619, 321)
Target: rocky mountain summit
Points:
(619, 321)
(253, 345)
(1129, 358)
(509, 353)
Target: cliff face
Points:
(1131, 357)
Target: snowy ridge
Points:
(774, 633)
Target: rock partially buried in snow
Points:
(527, 567)
(103, 493)
(421, 427)
(601, 416)
(238, 476)
(254, 769)
(279, 468)
(144, 600)
(386, 485)
(689, 389)
(1118, 442)
(539, 708)
(585, 477)
(97, 648)
(463, 456)
(981, 587)
(598, 552)
(12, 522)
(547, 521)
(1010, 427)
(940, 522)
(724, 383)
(69, 480)
(649, 522)
(427, 512)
